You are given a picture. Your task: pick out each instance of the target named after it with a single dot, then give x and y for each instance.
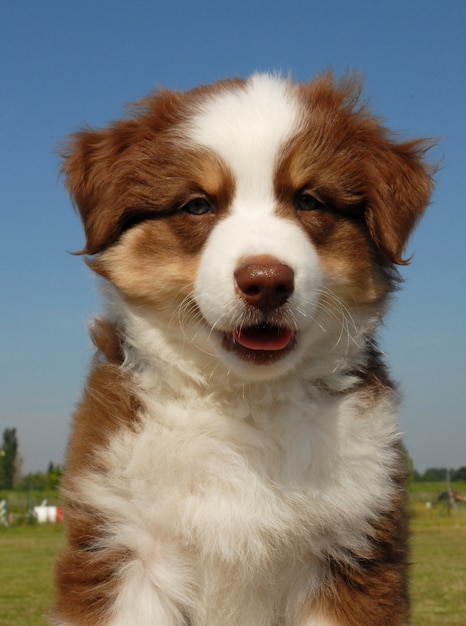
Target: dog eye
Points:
(307, 202)
(198, 206)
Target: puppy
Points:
(235, 459)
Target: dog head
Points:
(266, 217)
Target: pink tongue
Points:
(263, 338)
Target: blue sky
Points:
(66, 63)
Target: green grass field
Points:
(28, 553)
(438, 578)
(438, 574)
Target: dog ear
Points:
(399, 184)
(94, 163)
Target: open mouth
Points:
(262, 344)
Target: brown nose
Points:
(264, 282)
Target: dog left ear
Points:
(399, 184)
(93, 166)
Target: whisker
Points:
(335, 308)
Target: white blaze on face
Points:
(247, 127)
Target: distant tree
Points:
(33, 482)
(40, 481)
(8, 458)
(54, 474)
(435, 474)
(2, 469)
(459, 474)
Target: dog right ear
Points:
(93, 164)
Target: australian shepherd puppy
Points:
(235, 459)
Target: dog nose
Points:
(264, 282)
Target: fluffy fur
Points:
(235, 458)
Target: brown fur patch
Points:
(86, 577)
(354, 165)
(107, 405)
(139, 169)
(86, 574)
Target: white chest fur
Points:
(216, 495)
